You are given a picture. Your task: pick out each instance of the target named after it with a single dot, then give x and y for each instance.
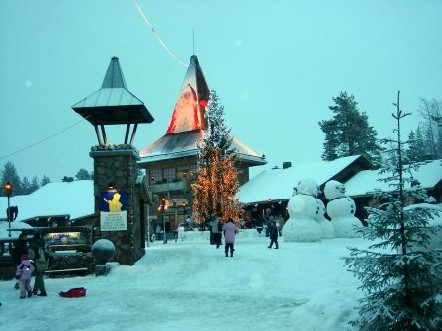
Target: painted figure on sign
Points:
(114, 204)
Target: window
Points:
(155, 176)
(169, 174)
(183, 172)
(193, 171)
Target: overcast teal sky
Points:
(276, 65)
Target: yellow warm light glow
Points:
(8, 188)
(215, 187)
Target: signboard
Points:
(113, 211)
(66, 238)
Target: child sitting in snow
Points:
(23, 275)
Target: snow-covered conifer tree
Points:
(217, 178)
(401, 273)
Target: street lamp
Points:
(8, 191)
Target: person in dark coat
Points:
(268, 219)
(38, 253)
(20, 249)
(273, 235)
(216, 230)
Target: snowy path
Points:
(193, 286)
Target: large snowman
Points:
(326, 226)
(303, 210)
(341, 210)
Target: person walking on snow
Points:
(268, 219)
(216, 228)
(274, 235)
(230, 230)
(24, 275)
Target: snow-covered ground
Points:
(190, 285)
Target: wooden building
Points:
(171, 161)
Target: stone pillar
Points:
(118, 166)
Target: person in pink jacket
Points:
(24, 275)
(230, 230)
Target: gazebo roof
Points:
(113, 104)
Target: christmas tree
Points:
(217, 178)
(401, 272)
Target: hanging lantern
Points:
(203, 103)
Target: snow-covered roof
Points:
(366, 182)
(183, 144)
(73, 198)
(278, 184)
(4, 229)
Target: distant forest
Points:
(24, 186)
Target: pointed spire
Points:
(190, 107)
(114, 75)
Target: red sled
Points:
(74, 293)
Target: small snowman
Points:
(303, 210)
(341, 210)
(326, 226)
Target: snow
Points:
(190, 285)
(366, 182)
(278, 184)
(302, 225)
(62, 198)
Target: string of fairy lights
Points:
(215, 187)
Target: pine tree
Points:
(431, 113)
(416, 151)
(34, 184)
(9, 174)
(45, 180)
(217, 178)
(26, 185)
(348, 132)
(83, 174)
(400, 271)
